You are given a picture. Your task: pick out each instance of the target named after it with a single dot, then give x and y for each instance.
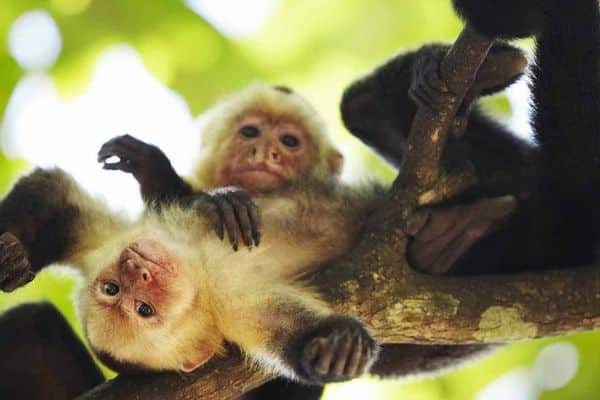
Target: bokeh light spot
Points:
(556, 365)
(234, 18)
(34, 40)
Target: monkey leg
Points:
(42, 358)
(47, 218)
(148, 164)
(336, 349)
(441, 236)
(297, 335)
(378, 109)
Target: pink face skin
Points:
(263, 153)
(142, 282)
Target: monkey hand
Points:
(441, 236)
(15, 269)
(230, 210)
(503, 66)
(337, 349)
(148, 164)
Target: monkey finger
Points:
(206, 205)
(456, 249)
(117, 150)
(441, 221)
(253, 213)
(243, 221)
(229, 220)
(419, 99)
(342, 356)
(424, 254)
(323, 364)
(434, 81)
(355, 359)
(367, 357)
(416, 221)
(123, 165)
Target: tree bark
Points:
(375, 283)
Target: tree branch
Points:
(375, 283)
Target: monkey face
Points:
(263, 152)
(140, 312)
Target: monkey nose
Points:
(135, 272)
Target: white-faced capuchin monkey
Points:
(258, 140)
(164, 293)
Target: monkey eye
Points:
(290, 140)
(110, 288)
(249, 131)
(145, 310)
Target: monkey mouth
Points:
(258, 170)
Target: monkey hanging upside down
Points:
(164, 293)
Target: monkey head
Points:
(263, 137)
(144, 312)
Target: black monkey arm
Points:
(159, 183)
(47, 218)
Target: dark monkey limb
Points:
(230, 209)
(148, 164)
(42, 358)
(379, 110)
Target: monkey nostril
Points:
(254, 151)
(275, 156)
(145, 276)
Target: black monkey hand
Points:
(15, 269)
(337, 349)
(442, 235)
(148, 164)
(503, 66)
(232, 210)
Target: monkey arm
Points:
(230, 209)
(47, 218)
(159, 183)
(299, 336)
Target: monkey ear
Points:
(335, 160)
(203, 354)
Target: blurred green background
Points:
(203, 50)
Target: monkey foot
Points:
(337, 349)
(15, 269)
(442, 235)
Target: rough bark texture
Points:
(375, 284)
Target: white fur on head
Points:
(263, 99)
